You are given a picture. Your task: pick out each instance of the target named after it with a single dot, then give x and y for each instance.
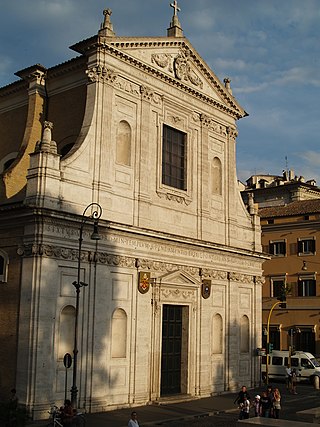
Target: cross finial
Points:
(107, 13)
(175, 7)
(106, 28)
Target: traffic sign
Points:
(67, 360)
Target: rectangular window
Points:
(277, 247)
(306, 246)
(277, 284)
(174, 159)
(306, 287)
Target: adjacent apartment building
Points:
(139, 135)
(289, 210)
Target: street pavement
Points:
(217, 411)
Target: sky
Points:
(270, 49)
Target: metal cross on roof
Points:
(175, 6)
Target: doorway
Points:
(174, 357)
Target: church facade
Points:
(137, 136)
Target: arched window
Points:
(216, 174)
(7, 161)
(4, 263)
(119, 333)
(66, 331)
(244, 334)
(123, 148)
(217, 334)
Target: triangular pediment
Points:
(178, 62)
(178, 277)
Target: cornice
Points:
(233, 111)
(115, 46)
(68, 254)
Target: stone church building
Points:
(134, 138)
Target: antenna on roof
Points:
(286, 159)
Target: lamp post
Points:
(268, 340)
(95, 215)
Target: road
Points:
(306, 398)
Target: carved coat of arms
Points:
(144, 282)
(206, 288)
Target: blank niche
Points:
(216, 173)
(119, 333)
(123, 148)
(244, 334)
(217, 329)
(4, 262)
(66, 333)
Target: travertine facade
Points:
(200, 248)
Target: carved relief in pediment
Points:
(163, 60)
(184, 71)
(180, 65)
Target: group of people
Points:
(68, 414)
(267, 405)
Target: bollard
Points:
(316, 382)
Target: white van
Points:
(306, 365)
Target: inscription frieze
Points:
(127, 86)
(132, 262)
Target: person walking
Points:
(242, 395)
(245, 409)
(294, 381)
(256, 406)
(289, 378)
(270, 394)
(266, 405)
(133, 422)
(276, 403)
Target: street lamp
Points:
(95, 215)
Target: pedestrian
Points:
(12, 407)
(242, 395)
(266, 405)
(66, 413)
(276, 403)
(294, 381)
(289, 378)
(244, 409)
(133, 422)
(256, 405)
(270, 394)
(13, 401)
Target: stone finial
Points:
(252, 208)
(47, 144)
(46, 136)
(175, 29)
(227, 82)
(106, 28)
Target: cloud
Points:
(312, 157)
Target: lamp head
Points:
(84, 284)
(95, 235)
(304, 267)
